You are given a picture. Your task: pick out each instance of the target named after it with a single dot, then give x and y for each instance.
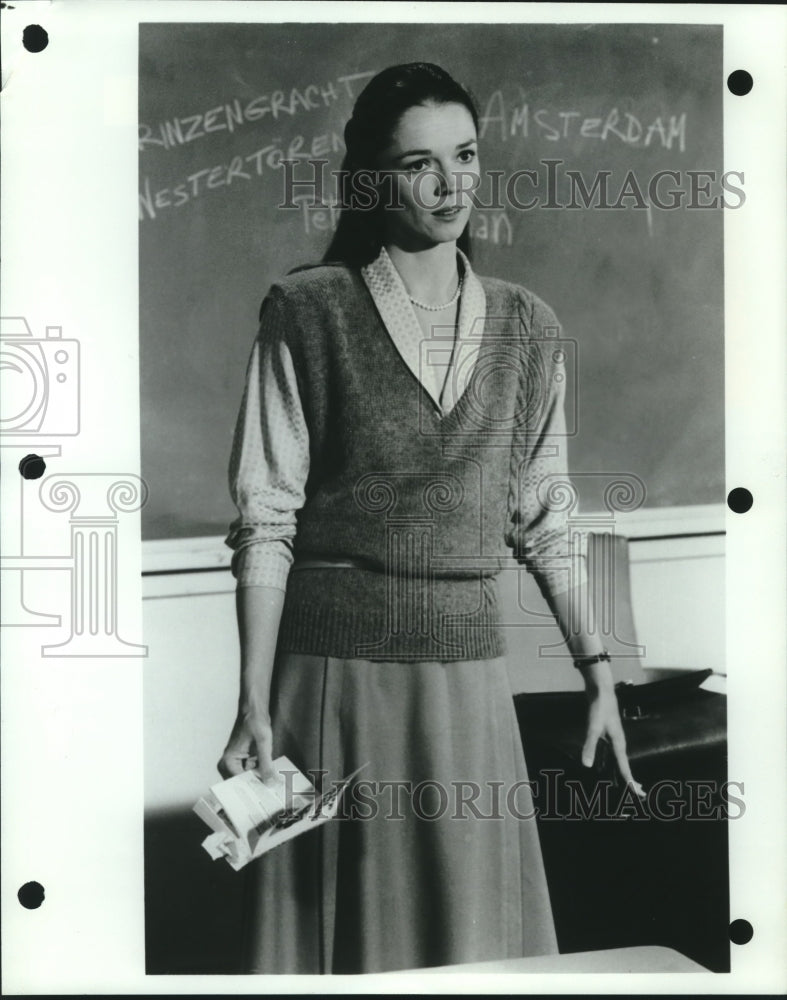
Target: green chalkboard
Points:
(638, 288)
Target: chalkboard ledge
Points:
(195, 555)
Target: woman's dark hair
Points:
(369, 131)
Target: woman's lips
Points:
(448, 213)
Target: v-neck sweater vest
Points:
(422, 503)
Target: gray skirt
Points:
(435, 859)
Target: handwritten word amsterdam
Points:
(498, 119)
(229, 116)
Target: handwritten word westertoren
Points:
(227, 117)
(239, 168)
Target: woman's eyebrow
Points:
(427, 152)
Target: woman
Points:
(397, 428)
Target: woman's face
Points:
(433, 164)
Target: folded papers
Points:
(250, 817)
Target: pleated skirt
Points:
(435, 858)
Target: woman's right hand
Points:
(250, 745)
(259, 612)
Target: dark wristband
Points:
(586, 661)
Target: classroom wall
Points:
(192, 670)
(638, 289)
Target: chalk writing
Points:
(239, 168)
(492, 227)
(323, 216)
(523, 121)
(229, 116)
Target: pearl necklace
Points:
(445, 305)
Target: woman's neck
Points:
(431, 276)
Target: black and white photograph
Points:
(394, 547)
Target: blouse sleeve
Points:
(538, 527)
(269, 462)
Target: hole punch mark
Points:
(740, 82)
(35, 38)
(32, 467)
(741, 932)
(740, 500)
(31, 895)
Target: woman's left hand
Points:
(604, 720)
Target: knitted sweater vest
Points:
(424, 505)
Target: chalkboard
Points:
(638, 288)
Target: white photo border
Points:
(72, 745)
